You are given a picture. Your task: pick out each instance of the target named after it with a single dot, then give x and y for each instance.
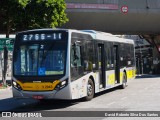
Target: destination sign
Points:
(41, 37)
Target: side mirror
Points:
(75, 64)
(86, 65)
(94, 66)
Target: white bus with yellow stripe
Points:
(70, 64)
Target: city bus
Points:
(70, 64)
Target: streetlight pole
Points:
(141, 60)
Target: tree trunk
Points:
(5, 63)
(1, 61)
(8, 28)
(5, 55)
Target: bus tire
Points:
(124, 82)
(90, 90)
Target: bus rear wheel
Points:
(90, 90)
(124, 82)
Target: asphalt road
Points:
(142, 94)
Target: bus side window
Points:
(122, 53)
(109, 56)
(76, 56)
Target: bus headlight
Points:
(16, 85)
(61, 85)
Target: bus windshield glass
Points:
(40, 59)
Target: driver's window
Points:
(29, 59)
(76, 56)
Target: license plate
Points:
(38, 97)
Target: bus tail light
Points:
(16, 85)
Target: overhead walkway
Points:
(140, 17)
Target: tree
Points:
(16, 15)
(28, 14)
(42, 14)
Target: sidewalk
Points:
(147, 76)
(5, 89)
(8, 80)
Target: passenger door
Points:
(101, 64)
(116, 64)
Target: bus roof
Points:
(95, 34)
(109, 37)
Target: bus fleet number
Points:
(47, 86)
(32, 37)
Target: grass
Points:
(2, 86)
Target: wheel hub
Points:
(89, 89)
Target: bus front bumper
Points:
(61, 94)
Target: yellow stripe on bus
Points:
(130, 74)
(44, 86)
(111, 79)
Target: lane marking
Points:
(111, 103)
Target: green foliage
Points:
(29, 14)
(45, 13)
(23, 2)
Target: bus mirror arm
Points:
(94, 66)
(77, 43)
(75, 60)
(75, 53)
(75, 64)
(86, 65)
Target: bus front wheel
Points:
(90, 90)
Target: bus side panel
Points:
(110, 78)
(129, 73)
(79, 86)
(65, 93)
(134, 72)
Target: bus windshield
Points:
(40, 59)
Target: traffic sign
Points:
(124, 9)
(8, 42)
